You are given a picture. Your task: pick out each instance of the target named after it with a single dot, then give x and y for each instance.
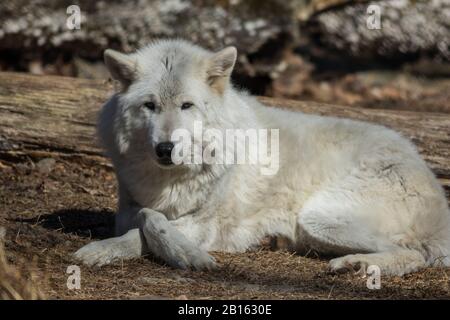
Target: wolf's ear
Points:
(121, 66)
(220, 66)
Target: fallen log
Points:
(49, 116)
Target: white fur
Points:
(345, 188)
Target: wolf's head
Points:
(168, 85)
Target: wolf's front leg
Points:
(98, 253)
(155, 235)
(128, 243)
(167, 242)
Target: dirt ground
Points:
(51, 208)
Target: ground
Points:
(52, 208)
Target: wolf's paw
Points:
(392, 263)
(99, 253)
(186, 256)
(357, 263)
(172, 246)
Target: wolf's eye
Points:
(150, 105)
(186, 105)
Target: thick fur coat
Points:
(353, 190)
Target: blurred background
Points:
(322, 50)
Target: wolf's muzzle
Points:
(164, 152)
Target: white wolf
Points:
(357, 191)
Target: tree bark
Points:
(49, 116)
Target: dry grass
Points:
(48, 216)
(14, 285)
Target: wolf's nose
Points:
(164, 149)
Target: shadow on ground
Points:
(94, 224)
